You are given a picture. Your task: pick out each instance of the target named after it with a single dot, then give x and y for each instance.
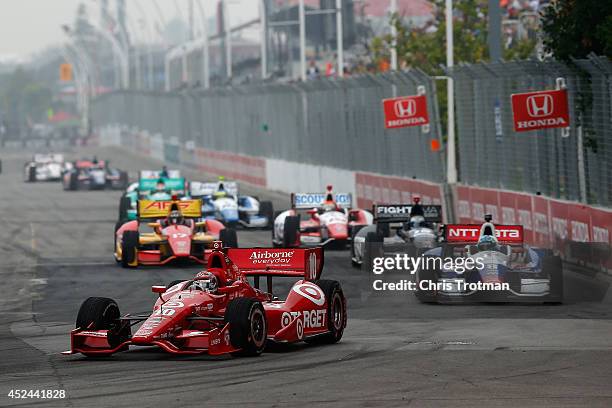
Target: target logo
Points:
(311, 292)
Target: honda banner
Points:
(540, 110)
(406, 111)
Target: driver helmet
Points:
(417, 221)
(175, 217)
(207, 282)
(487, 243)
(160, 187)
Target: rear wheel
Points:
(99, 313)
(229, 237)
(554, 267)
(129, 249)
(372, 248)
(336, 312)
(124, 205)
(248, 326)
(266, 209)
(30, 174)
(291, 228)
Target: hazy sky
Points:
(28, 26)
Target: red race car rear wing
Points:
(469, 233)
(296, 262)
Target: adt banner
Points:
(405, 111)
(540, 110)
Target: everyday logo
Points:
(405, 108)
(540, 105)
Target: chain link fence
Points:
(492, 155)
(335, 123)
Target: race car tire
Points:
(372, 248)
(123, 180)
(266, 209)
(554, 267)
(118, 225)
(72, 182)
(99, 313)
(30, 174)
(336, 313)
(248, 326)
(229, 238)
(425, 296)
(129, 249)
(124, 205)
(291, 229)
(383, 229)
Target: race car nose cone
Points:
(338, 231)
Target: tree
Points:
(576, 28)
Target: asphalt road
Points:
(55, 250)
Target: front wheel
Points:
(229, 237)
(336, 312)
(99, 313)
(266, 209)
(248, 326)
(291, 229)
(129, 249)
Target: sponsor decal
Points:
(271, 257)
(312, 319)
(311, 292)
(471, 233)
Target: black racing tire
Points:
(73, 182)
(99, 313)
(372, 248)
(336, 313)
(553, 266)
(383, 229)
(425, 274)
(248, 326)
(266, 209)
(129, 249)
(124, 205)
(229, 237)
(30, 174)
(291, 228)
(123, 180)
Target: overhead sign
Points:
(540, 110)
(405, 111)
(65, 72)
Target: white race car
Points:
(221, 201)
(44, 167)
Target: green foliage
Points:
(427, 49)
(576, 28)
(23, 98)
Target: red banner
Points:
(540, 110)
(405, 111)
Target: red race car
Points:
(219, 311)
(175, 234)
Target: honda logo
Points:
(405, 108)
(540, 105)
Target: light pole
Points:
(263, 21)
(451, 171)
(393, 10)
(205, 49)
(228, 39)
(302, 22)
